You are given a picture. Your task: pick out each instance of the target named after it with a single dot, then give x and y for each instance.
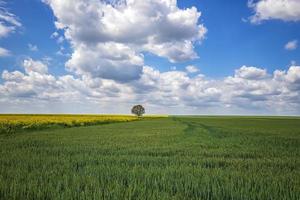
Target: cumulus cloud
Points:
(250, 73)
(8, 21)
(191, 69)
(35, 84)
(286, 10)
(4, 52)
(35, 66)
(248, 90)
(32, 83)
(110, 61)
(277, 92)
(292, 76)
(114, 38)
(291, 45)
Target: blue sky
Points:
(242, 45)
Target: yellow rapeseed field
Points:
(9, 123)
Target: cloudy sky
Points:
(174, 57)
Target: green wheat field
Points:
(175, 157)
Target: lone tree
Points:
(138, 110)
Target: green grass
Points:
(168, 158)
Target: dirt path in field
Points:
(197, 127)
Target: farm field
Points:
(165, 158)
(10, 123)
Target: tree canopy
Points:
(138, 110)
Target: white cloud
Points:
(4, 52)
(251, 73)
(31, 84)
(291, 76)
(110, 61)
(250, 90)
(35, 66)
(32, 47)
(191, 69)
(286, 10)
(277, 92)
(291, 45)
(8, 21)
(160, 28)
(34, 90)
(174, 51)
(5, 30)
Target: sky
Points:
(210, 57)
